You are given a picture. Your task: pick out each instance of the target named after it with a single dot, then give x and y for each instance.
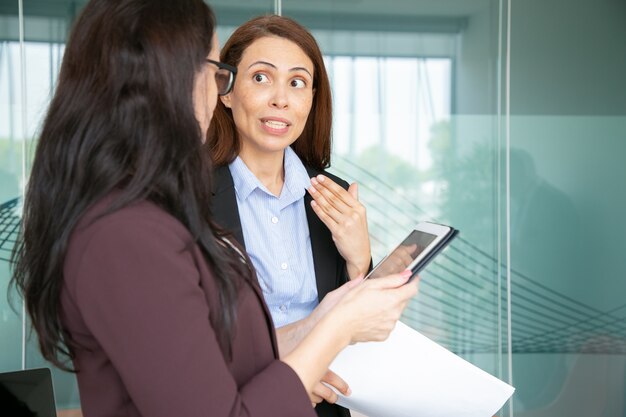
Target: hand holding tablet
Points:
(416, 250)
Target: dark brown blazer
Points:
(138, 297)
(329, 265)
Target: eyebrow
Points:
(269, 64)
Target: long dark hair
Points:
(314, 144)
(122, 118)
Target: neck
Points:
(268, 168)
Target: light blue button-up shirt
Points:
(276, 234)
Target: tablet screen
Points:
(403, 255)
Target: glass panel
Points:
(45, 29)
(231, 14)
(415, 90)
(567, 241)
(11, 151)
(568, 232)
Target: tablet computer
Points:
(416, 250)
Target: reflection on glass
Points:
(569, 328)
(568, 231)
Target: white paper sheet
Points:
(409, 375)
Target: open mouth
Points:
(275, 124)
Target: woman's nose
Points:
(279, 98)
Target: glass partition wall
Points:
(505, 119)
(418, 123)
(568, 232)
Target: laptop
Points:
(27, 393)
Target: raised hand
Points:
(345, 217)
(372, 308)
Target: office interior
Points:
(503, 118)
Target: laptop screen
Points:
(27, 393)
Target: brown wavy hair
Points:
(313, 145)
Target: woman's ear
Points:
(226, 100)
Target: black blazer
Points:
(330, 267)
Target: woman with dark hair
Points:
(121, 268)
(270, 139)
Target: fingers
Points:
(330, 188)
(353, 189)
(399, 260)
(343, 289)
(412, 287)
(407, 292)
(355, 281)
(327, 198)
(328, 205)
(336, 202)
(390, 281)
(333, 297)
(322, 392)
(336, 381)
(322, 213)
(412, 248)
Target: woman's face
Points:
(205, 89)
(272, 96)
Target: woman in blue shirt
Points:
(270, 140)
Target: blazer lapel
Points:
(322, 247)
(224, 204)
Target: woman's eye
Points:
(298, 83)
(260, 78)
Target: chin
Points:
(275, 144)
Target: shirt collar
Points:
(243, 179)
(296, 178)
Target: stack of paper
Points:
(409, 375)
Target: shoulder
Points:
(138, 230)
(139, 220)
(313, 172)
(136, 245)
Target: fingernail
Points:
(312, 190)
(313, 180)
(348, 392)
(406, 273)
(321, 178)
(313, 203)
